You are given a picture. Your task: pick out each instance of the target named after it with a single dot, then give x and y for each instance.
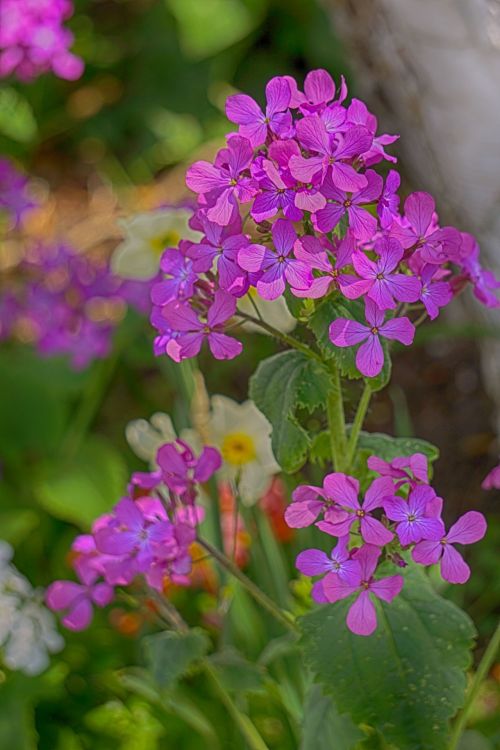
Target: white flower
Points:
(275, 312)
(243, 436)
(27, 629)
(146, 437)
(146, 236)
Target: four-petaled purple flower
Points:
(254, 123)
(413, 515)
(221, 245)
(370, 355)
(315, 562)
(362, 615)
(386, 286)
(361, 222)
(181, 471)
(180, 276)
(76, 600)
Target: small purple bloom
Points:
(76, 600)
(180, 276)
(181, 470)
(276, 266)
(492, 479)
(413, 521)
(363, 225)
(362, 615)
(386, 286)
(358, 114)
(221, 245)
(404, 469)
(370, 355)
(434, 294)
(470, 528)
(254, 124)
(420, 230)
(315, 562)
(276, 191)
(388, 205)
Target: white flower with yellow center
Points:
(146, 236)
(243, 436)
(274, 312)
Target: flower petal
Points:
(362, 616)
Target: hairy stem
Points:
(357, 424)
(283, 617)
(284, 337)
(336, 420)
(481, 672)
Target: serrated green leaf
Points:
(169, 655)
(406, 680)
(87, 486)
(282, 384)
(323, 727)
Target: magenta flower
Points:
(404, 469)
(314, 254)
(181, 470)
(315, 562)
(77, 600)
(224, 183)
(254, 124)
(362, 615)
(221, 245)
(470, 528)
(386, 286)
(363, 225)
(193, 331)
(344, 491)
(370, 355)
(276, 191)
(492, 479)
(276, 266)
(388, 205)
(484, 282)
(358, 114)
(412, 515)
(180, 276)
(319, 89)
(332, 155)
(434, 294)
(435, 245)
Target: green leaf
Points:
(87, 486)
(406, 680)
(387, 447)
(281, 385)
(345, 357)
(236, 673)
(16, 116)
(323, 727)
(169, 655)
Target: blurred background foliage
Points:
(157, 74)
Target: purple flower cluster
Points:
(15, 198)
(33, 40)
(399, 512)
(67, 303)
(148, 533)
(319, 221)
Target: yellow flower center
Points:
(169, 239)
(238, 448)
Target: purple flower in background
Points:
(434, 245)
(402, 468)
(386, 286)
(388, 205)
(181, 470)
(484, 282)
(180, 276)
(315, 562)
(77, 599)
(344, 490)
(370, 355)
(193, 331)
(221, 245)
(492, 479)
(412, 515)
(434, 294)
(470, 528)
(362, 615)
(14, 193)
(332, 154)
(33, 40)
(362, 224)
(276, 266)
(254, 123)
(224, 183)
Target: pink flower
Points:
(412, 515)
(254, 124)
(435, 245)
(386, 286)
(276, 266)
(192, 330)
(224, 183)
(276, 191)
(76, 600)
(315, 562)
(434, 294)
(319, 89)
(492, 479)
(363, 225)
(370, 355)
(470, 528)
(221, 244)
(362, 616)
(343, 490)
(181, 470)
(404, 469)
(332, 155)
(180, 276)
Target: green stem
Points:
(284, 337)
(336, 420)
(283, 617)
(481, 672)
(357, 424)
